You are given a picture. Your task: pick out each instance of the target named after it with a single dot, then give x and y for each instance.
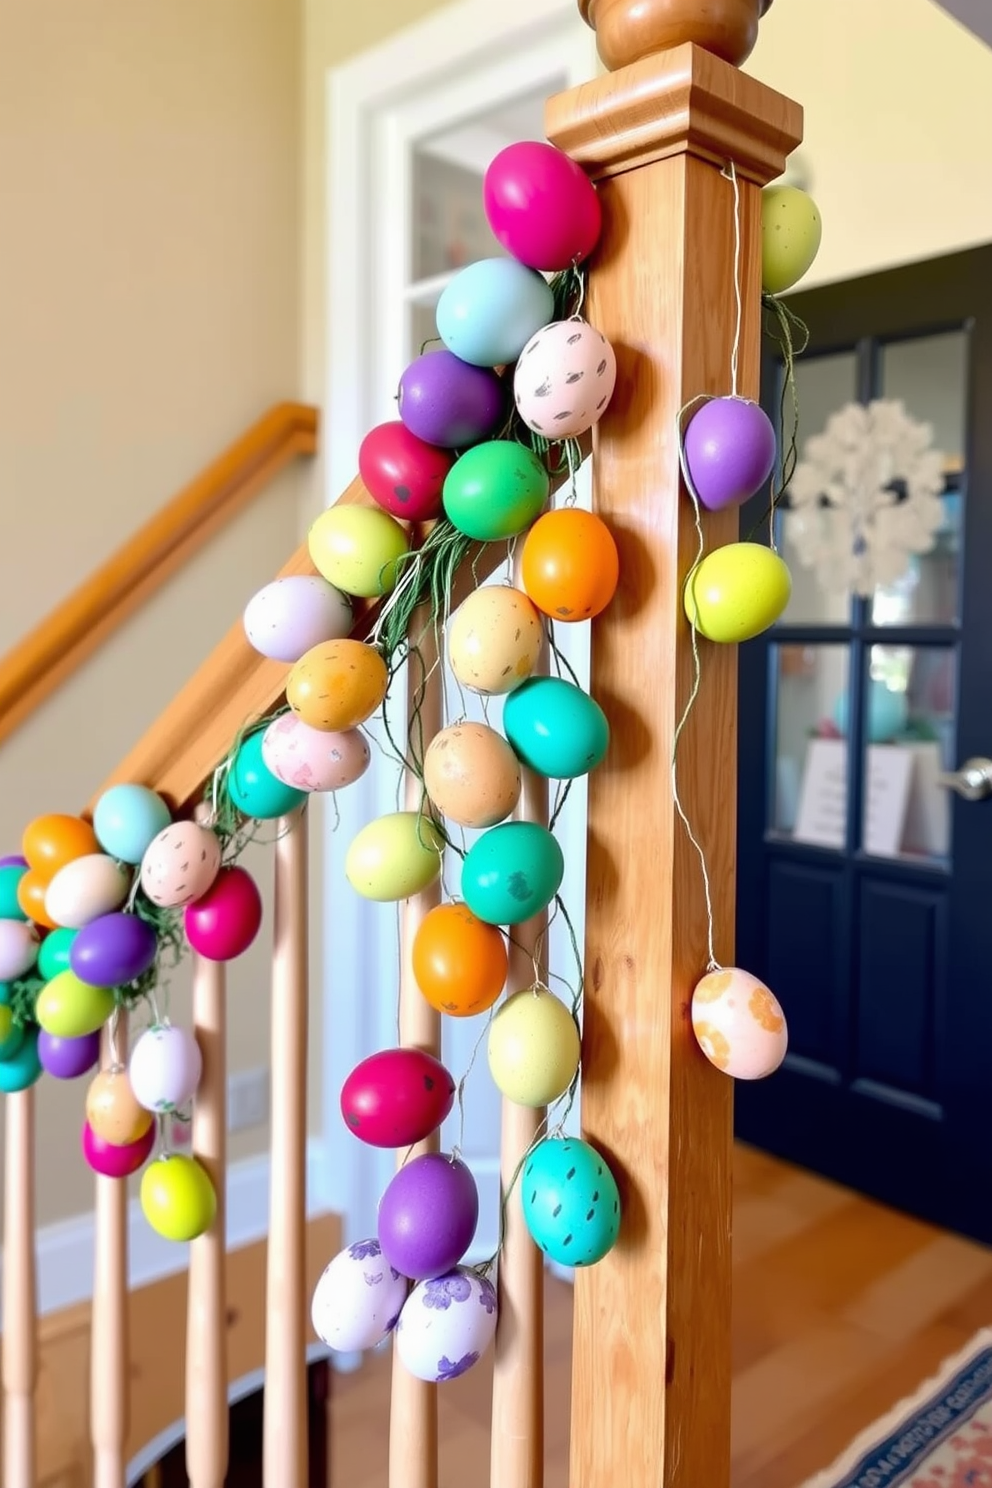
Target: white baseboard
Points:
(65, 1251)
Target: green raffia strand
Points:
(437, 561)
(792, 336)
(23, 997)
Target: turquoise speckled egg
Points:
(490, 310)
(511, 873)
(253, 788)
(555, 728)
(570, 1200)
(495, 490)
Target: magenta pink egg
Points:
(311, 759)
(402, 473)
(397, 1097)
(223, 924)
(729, 451)
(541, 206)
(428, 1215)
(116, 1162)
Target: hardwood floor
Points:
(841, 1307)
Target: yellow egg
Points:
(69, 1008)
(472, 775)
(790, 237)
(337, 685)
(736, 592)
(178, 1198)
(534, 1047)
(394, 856)
(356, 549)
(739, 1024)
(112, 1109)
(494, 639)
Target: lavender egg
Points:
(165, 1068)
(445, 401)
(18, 948)
(113, 950)
(729, 451)
(428, 1215)
(446, 1325)
(358, 1298)
(312, 759)
(68, 1058)
(289, 616)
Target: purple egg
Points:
(13, 860)
(112, 950)
(447, 402)
(68, 1058)
(428, 1215)
(729, 451)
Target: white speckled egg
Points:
(739, 1024)
(472, 775)
(313, 759)
(494, 639)
(358, 1298)
(564, 379)
(165, 1068)
(446, 1325)
(180, 864)
(289, 616)
(85, 889)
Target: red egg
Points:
(226, 920)
(397, 1097)
(402, 473)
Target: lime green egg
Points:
(69, 1008)
(177, 1198)
(358, 549)
(394, 856)
(790, 237)
(737, 592)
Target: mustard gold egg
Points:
(337, 685)
(472, 775)
(736, 592)
(533, 1047)
(494, 639)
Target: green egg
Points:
(790, 237)
(495, 490)
(511, 873)
(555, 728)
(54, 954)
(253, 788)
(23, 1068)
(69, 1008)
(10, 876)
(570, 1200)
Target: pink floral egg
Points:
(446, 1325)
(564, 379)
(739, 1024)
(311, 759)
(180, 864)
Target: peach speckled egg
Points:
(739, 1024)
(494, 639)
(180, 864)
(564, 379)
(472, 775)
(313, 759)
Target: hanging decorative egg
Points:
(49, 842)
(541, 206)
(448, 402)
(31, 891)
(68, 1058)
(113, 1160)
(357, 549)
(570, 1200)
(512, 872)
(56, 953)
(459, 961)
(729, 451)
(495, 490)
(446, 1325)
(556, 728)
(112, 1109)
(313, 759)
(428, 1215)
(70, 1008)
(113, 950)
(178, 1198)
(19, 942)
(337, 685)
(737, 592)
(11, 1033)
(23, 1068)
(533, 1047)
(357, 1300)
(165, 1068)
(739, 1024)
(472, 775)
(292, 614)
(790, 237)
(85, 889)
(224, 922)
(126, 819)
(253, 788)
(397, 1097)
(402, 473)
(395, 856)
(494, 639)
(10, 876)
(564, 379)
(489, 311)
(180, 864)
(569, 564)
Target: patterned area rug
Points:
(940, 1438)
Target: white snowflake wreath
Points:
(866, 497)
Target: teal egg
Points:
(127, 818)
(253, 788)
(10, 876)
(23, 1068)
(570, 1200)
(490, 310)
(54, 954)
(495, 490)
(555, 728)
(511, 873)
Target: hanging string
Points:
(792, 337)
(730, 172)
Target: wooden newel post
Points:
(652, 1341)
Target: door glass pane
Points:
(449, 225)
(423, 330)
(909, 728)
(929, 376)
(809, 794)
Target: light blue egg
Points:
(570, 1200)
(489, 311)
(887, 713)
(126, 819)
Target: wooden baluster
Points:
(207, 1426)
(284, 1450)
(109, 1383)
(413, 1410)
(20, 1348)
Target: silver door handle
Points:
(973, 782)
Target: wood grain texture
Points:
(32, 670)
(627, 30)
(661, 289)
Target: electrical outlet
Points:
(247, 1099)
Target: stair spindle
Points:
(20, 1352)
(108, 1339)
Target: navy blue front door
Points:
(864, 879)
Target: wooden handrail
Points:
(76, 627)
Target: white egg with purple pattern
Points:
(739, 1024)
(564, 379)
(446, 1325)
(358, 1298)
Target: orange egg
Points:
(31, 891)
(112, 1109)
(569, 564)
(459, 962)
(337, 685)
(49, 842)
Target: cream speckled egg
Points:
(494, 639)
(739, 1024)
(180, 864)
(472, 775)
(533, 1047)
(85, 889)
(446, 1325)
(358, 1298)
(313, 759)
(564, 379)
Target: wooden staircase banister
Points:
(36, 665)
